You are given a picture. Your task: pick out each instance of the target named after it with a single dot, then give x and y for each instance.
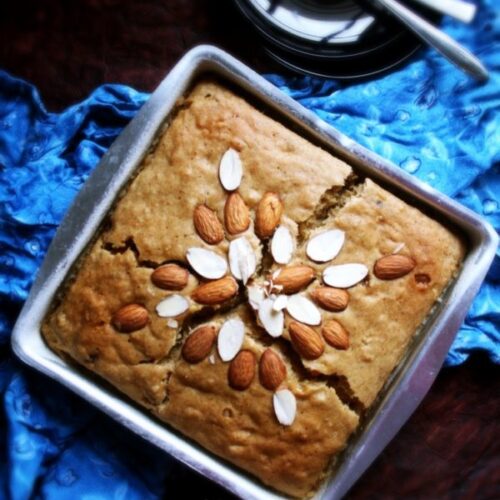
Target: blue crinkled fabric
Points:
(427, 117)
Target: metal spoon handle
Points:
(444, 44)
(463, 11)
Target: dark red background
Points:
(450, 448)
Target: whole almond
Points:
(170, 277)
(294, 278)
(335, 334)
(268, 215)
(236, 214)
(215, 292)
(130, 318)
(199, 344)
(241, 370)
(272, 370)
(208, 225)
(393, 266)
(331, 299)
(306, 341)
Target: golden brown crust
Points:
(241, 427)
(182, 172)
(152, 224)
(383, 315)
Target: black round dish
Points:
(368, 41)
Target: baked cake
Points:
(252, 291)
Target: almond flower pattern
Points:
(279, 297)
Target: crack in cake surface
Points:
(325, 206)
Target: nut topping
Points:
(335, 335)
(172, 306)
(242, 259)
(294, 278)
(285, 406)
(280, 302)
(230, 338)
(303, 310)
(215, 292)
(242, 370)
(208, 225)
(230, 170)
(272, 321)
(325, 246)
(206, 263)
(130, 318)
(282, 245)
(268, 215)
(306, 341)
(236, 214)
(331, 299)
(199, 344)
(170, 277)
(272, 370)
(344, 275)
(393, 266)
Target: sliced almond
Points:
(242, 260)
(172, 323)
(303, 310)
(325, 246)
(271, 320)
(294, 278)
(282, 245)
(280, 302)
(335, 335)
(272, 370)
(172, 306)
(242, 370)
(331, 299)
(170, 277)
(206, 263)
(230, 338)
(215, 292)
(344, 275)
(394, 266)
(230, 170)
(236, 214)
(208, 225)
(306, 341)
(199, 344)
(268, 215)
(285, 406)
(398, 248)
(130, 318)
(256, 296)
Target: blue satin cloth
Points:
(426, 117)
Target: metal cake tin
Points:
(408, 384)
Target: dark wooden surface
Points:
(450, 448)
(67, 48)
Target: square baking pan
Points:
(409, 382)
